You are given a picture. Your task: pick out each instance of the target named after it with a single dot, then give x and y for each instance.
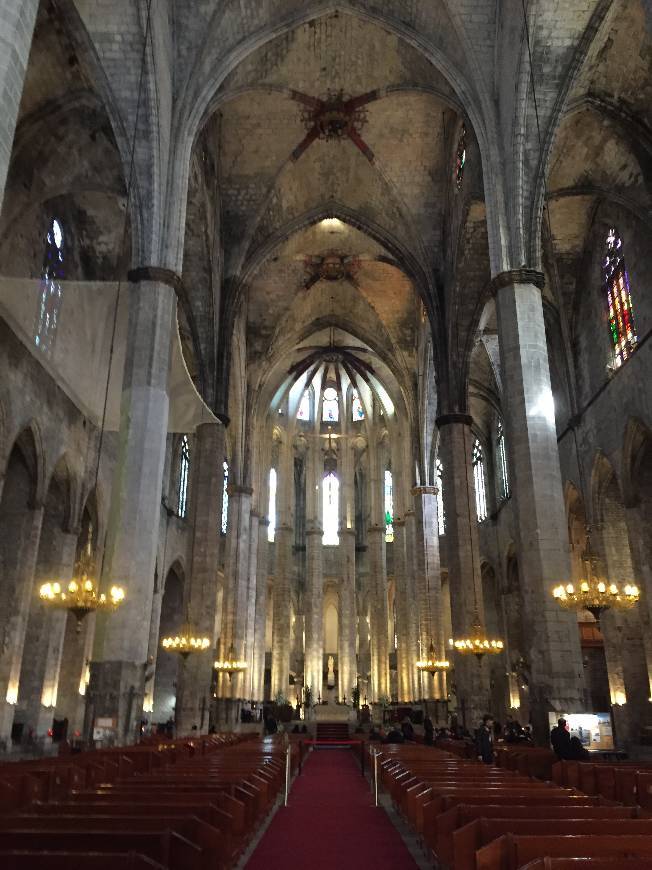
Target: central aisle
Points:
(330, 822)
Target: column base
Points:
(114, 703)
(7, 711)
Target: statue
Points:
(330, 680)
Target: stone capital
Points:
(263, 521)
(449, 419)
(233, 490)
(347, 532)
(314, 532)
(398, 523)
(284, 528)
(157, 275)
(254, 513)
(425, 490)
(517, 276)
(376, 528)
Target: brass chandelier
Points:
(81, 596)
(230, 665)
(432, 665)
(594, 592)
(186, 641)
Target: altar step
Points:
(332, 731)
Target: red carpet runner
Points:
(330, 823)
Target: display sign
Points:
(104, 729)
(593, 729)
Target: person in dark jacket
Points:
(428, 730)
(577, 751)
(485, 739)
(561, 740)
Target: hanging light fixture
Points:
(432, 665)
(81, 596)
(186, 641)
(594, 592)
(477, 642)
(230, 665)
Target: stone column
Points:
(556, 672)
(348, 666)
(428, 582)
(17, 19)
(465, 581)
(405, 653)
(236, 587)
(254, 520)
(116, 688)
(314, 610)
(44, 639)
(379, 612)
(281, 599)
(205, 502)
(260, 620)
(411, 594)
(314, 591)
(18, 583)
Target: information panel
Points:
(593, 729)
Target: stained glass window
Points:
(502, 462)
(357, 411)
(271, 510)
(49, 303)
(225, 495)
(304, 407)
(619, 302)
(478, 479)
(460, 158)
(330, 412)
(331, 505)
(389, 507)
(441, 520)
(184, 468)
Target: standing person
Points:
(560, 740)
(428, 730)
(485, 739)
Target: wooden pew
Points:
(468, 839)
(79, 860)
(589, 864)
(168, 848)
(462, 814)
(510, 852)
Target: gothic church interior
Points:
(324, 338)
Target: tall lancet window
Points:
(330, 412)
(619, 301)
(389, 507)
(441, 519)
(357, 411)
(184, 468)
(51, 293)
(304, 407)
(502, 462)
(225, 496)
(331, 505)
(478, 479)
(271, 509)
(460, 158)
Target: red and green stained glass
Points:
(619, 302)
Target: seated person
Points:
(394, 736)
(577, 752)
